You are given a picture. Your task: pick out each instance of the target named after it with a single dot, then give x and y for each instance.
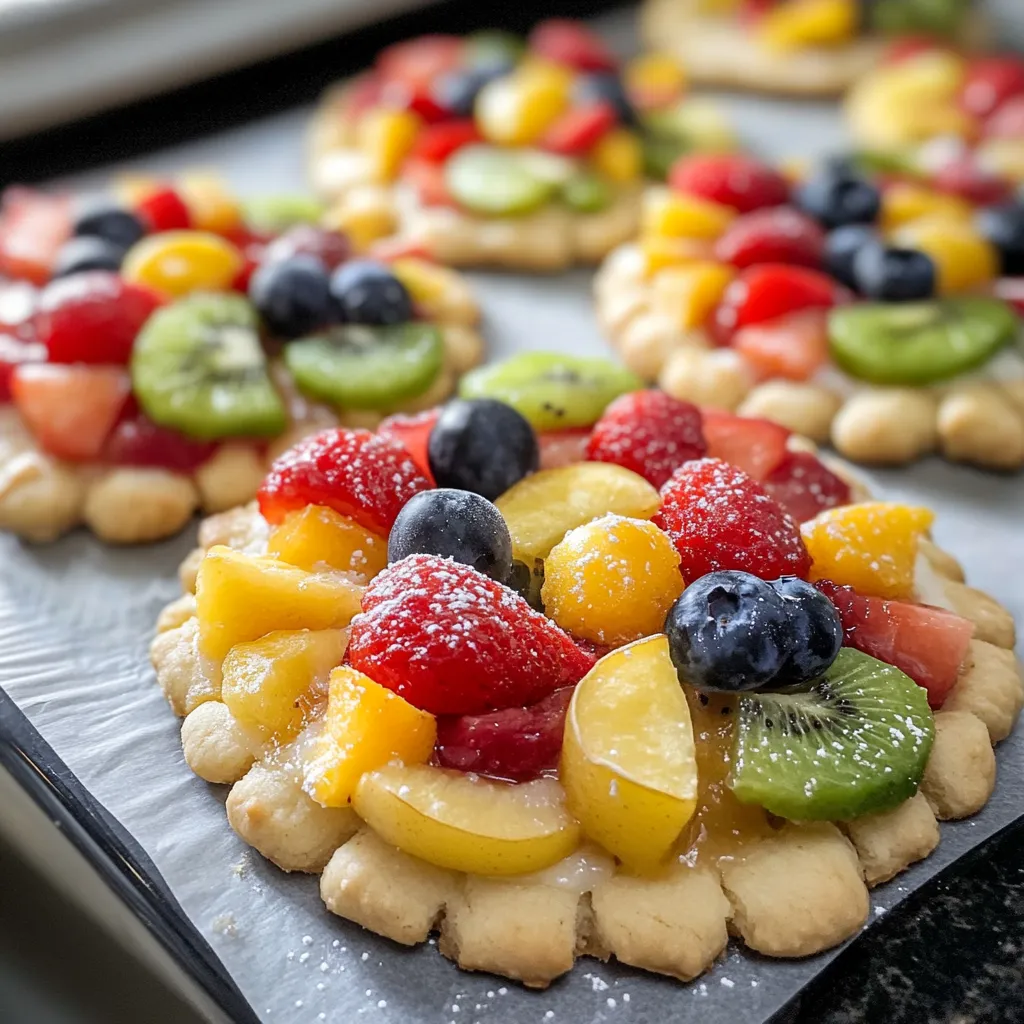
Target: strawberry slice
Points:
(731, 179)
(164, 210)
(579, 129)
(560, 448)
(437, 142)
(138, 441)
(362, 94)
(804, 486)
(70, 410)
(571, 43)
(755, 446)
(908, 47)
(427, 180)
(413, 431)
(776, 235)
(33, 227)
(793, 346)
(927, 643)
(419, 100)
(418, 62)
(989, 82)
(13, 353)
(1007, 122)
(964, 177)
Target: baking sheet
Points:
(75, 623)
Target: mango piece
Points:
(654, 79)
(386, 136)
(963, 259)
(660, 252)
(618, 156)
(516, 109)
(243, 597)
(179, 262)
(212, 206)
(904, 202)
(690, 292)
(317, 537)
(806, 23)
(671, 215)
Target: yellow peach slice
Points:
(317, 537)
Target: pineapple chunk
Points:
(318, 537)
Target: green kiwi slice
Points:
(198, 367)
(357, 366)
(499, 182)
(585, 192)
(911, 17)
(855, 743)
(552, 391)
(272, 214)
(919, 342)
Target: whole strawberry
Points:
(451, 641)
(650, 433)
(719, 518)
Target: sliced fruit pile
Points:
(496, 126)
(146, 330)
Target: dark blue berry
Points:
(1003, 226)
(366, 292)
(456, 91)
(892, 274)
(605, 87)
(293, 295)
(842, 245)
(453, 524)
(729, 631)
(836, 198)
(816, 629)
(528, 582)
(86, 253)
(481, 445)
(100, 217)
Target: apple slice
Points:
(629, 765)
(465, 822)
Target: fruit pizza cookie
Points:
(621, 689)
(796, 47)
(876, 310)
(491, 151)
(158, 349)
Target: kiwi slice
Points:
(912, 17)
(919, 342)
(585, 192)
(198, 367)
(359, 366)
(855, 743)
(552, 391)
(494, 48)
(500, 182)
(273, 214)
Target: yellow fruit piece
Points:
(654, 79)
(691, 291)
(516, 109)
(618, 156)
(131, 189)
(465, 822)
(800, 23)
(871, 547)
(386, 136)
(317, 538)
(671, 215)
(243, 597)
(904, 202)
(270, 683)
(211, 205)
(660, 252)
(963, 259)
(428, 283)
(542, 508)
(628, 765)
(179, 262)
(366, 726)
(365, 215)
(932, 76)
(612, 581)
(1004, 157)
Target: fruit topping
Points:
(579, 129)
(560, 448)
(871, 546)
(163, 209)
(1003, 227)
(367, 292)
(366, 726)
(731, 179)
(755, 446)
(465, 822)
(841, 248)
(855, 743)
(497, 182)
(292, 295)
(452, 641)
(962, 258)
(198, 367)
(364, 476)
(571, 43)
(101, 217)
(611, 581)
(178, 262)
(517, 743)
(834, 197)
(137, 441)
(605, 87)
(793, 347)
(719, 518)
(481, 445)
(921, 342)
(990, 82)
(316, 538)
(459, 525)
(33, 227)
(628, 762)
(413, 431)
(650, 433)
(14, 352)
(80, 255)
(553, 391)
(331, 247)
(777, 235)
(804, 486)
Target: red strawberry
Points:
(362, 94)
(426, 178)
(755, 446)
(14, 352)
(989, 82)
(777, 235)
(366, 476)
(804, 486)
(731, 179)
(413, 432)
(417, 63)
(33, 227)
(572, 43)
(560, 448)
(650, 433)
(437, 142)
(138, 441)
(907, 47)
(720, 518)
(420, 100)
(517, 743)
(308, 240)
(793, 346)
(1007, 122)
(454, 642)
(927, 643)
(579, 129)
(964, 177)
(164, 210)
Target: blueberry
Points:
(100, 217)
(481, 445)
(892, 274)
(1003, 226)
(453, 524)
(605, 87)
(293, 295)
(816, 629)
(87, 253)
(729, 631)
(835, 198)
(842, 245)
(366, 292)
(456, 91)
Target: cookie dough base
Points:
(800, 891)
(980, 422)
